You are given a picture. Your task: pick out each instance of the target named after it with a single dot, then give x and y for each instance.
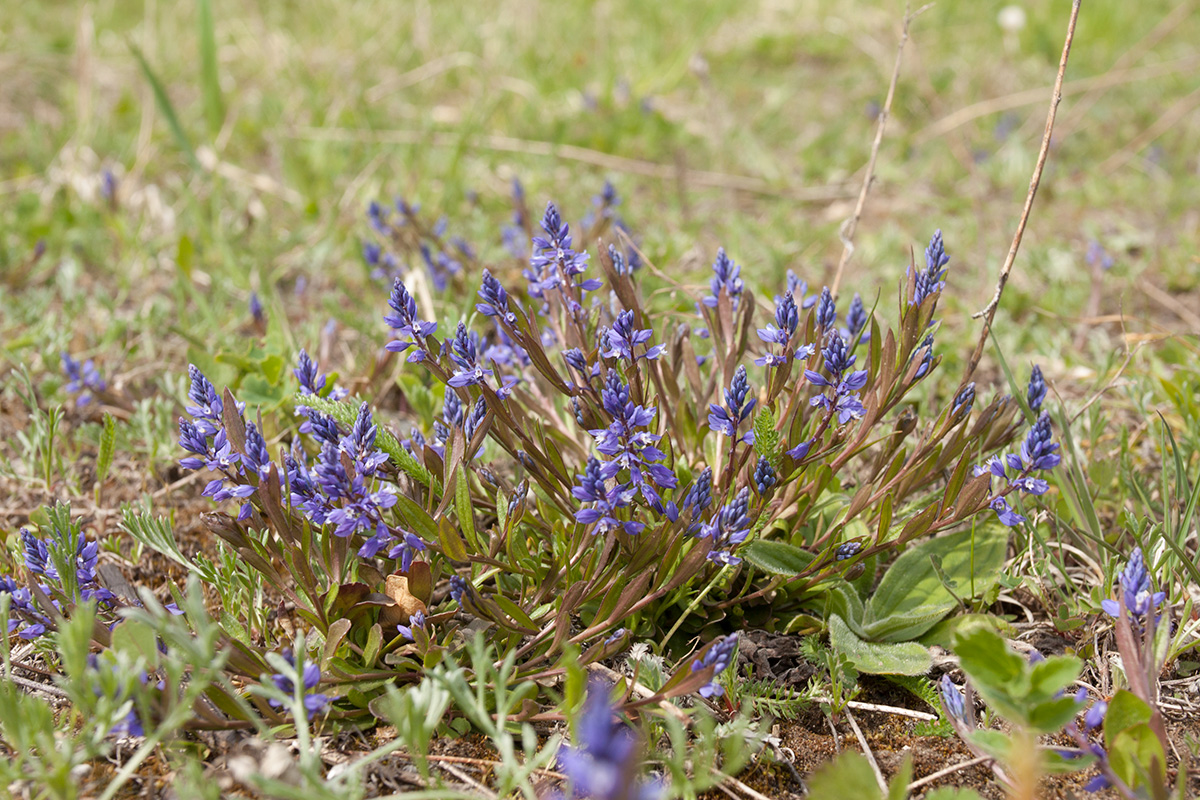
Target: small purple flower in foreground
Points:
(728, 528)
(464, 354)
(256, 309)
(25, 617)
(952, 699)
(417, 620)
(726, 278)
(1037, 451)
(592, 489)
(931, 280)
(847, 551)
(837, 360)
(627, 447)
(963, 401)
(798, 289)
(1136, 590)
(725, 420)
(1037, 388)
(787, 318)
(495, 299)
(718, 656)
(764, 475)
(926, 351)
(856, 320)
(826, 310)
(405, 322)
(85, 378)
(603, 763)
(310, 677)
(624, 336)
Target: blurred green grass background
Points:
(743, 125)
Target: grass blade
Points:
(165, 107)
(214, 110)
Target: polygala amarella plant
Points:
(598, 463)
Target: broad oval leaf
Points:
(777, 558)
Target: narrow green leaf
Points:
(108, 444)
(462, 504)
(165, 107)
(214, 111)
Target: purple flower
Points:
(623, 337)
(718, 656)
(826, 310)
(926, 351)
(847, 551)
(405, 322)
(256, 309)
(1037, 389)
(764, 475)
(844, 400)
(628, 447)
(310, 678)
(359, 444)
(417, 620)
(84, 378)
(495, 299)
(459, 586)
(1005, 513)
(725, 420)
(931, 280)
(728, 528)
(800, 451)
(25, 619)
(606, 501)
(602, 764)
(1037, 451)
(726, 278)
(208, 407)
(464, 354)
(963, 401)
(856, 320)
(1136, 590)
(787, 317)
(554, 262)
(952, 699)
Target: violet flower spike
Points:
(728, 528)
(826, 310)
(726, 278)
(725, 420)
(310, 678)
(405, 322)
(602, 762)
(718, 656)
(464, 354)
(1037, 389)
(624, 336)
(1136, 590)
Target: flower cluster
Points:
(787, 318)
(1137, 591)
(726, 278)
(554, 263)
(85, 379)
(624, 336)
(1037, 454)
(727, 529)
(725, 420)
(931, 280)
(602, 764)
(405, 322)
(718, 656)
(627, 444)
(606, 501)
(844, 397)
(309, 673)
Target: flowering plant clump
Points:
(582, 468)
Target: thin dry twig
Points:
(851, 224)
(734, 782)
(897, 710)
(941, 773)
(862, 740)
(1055, 99)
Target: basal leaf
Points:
(904, 658)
